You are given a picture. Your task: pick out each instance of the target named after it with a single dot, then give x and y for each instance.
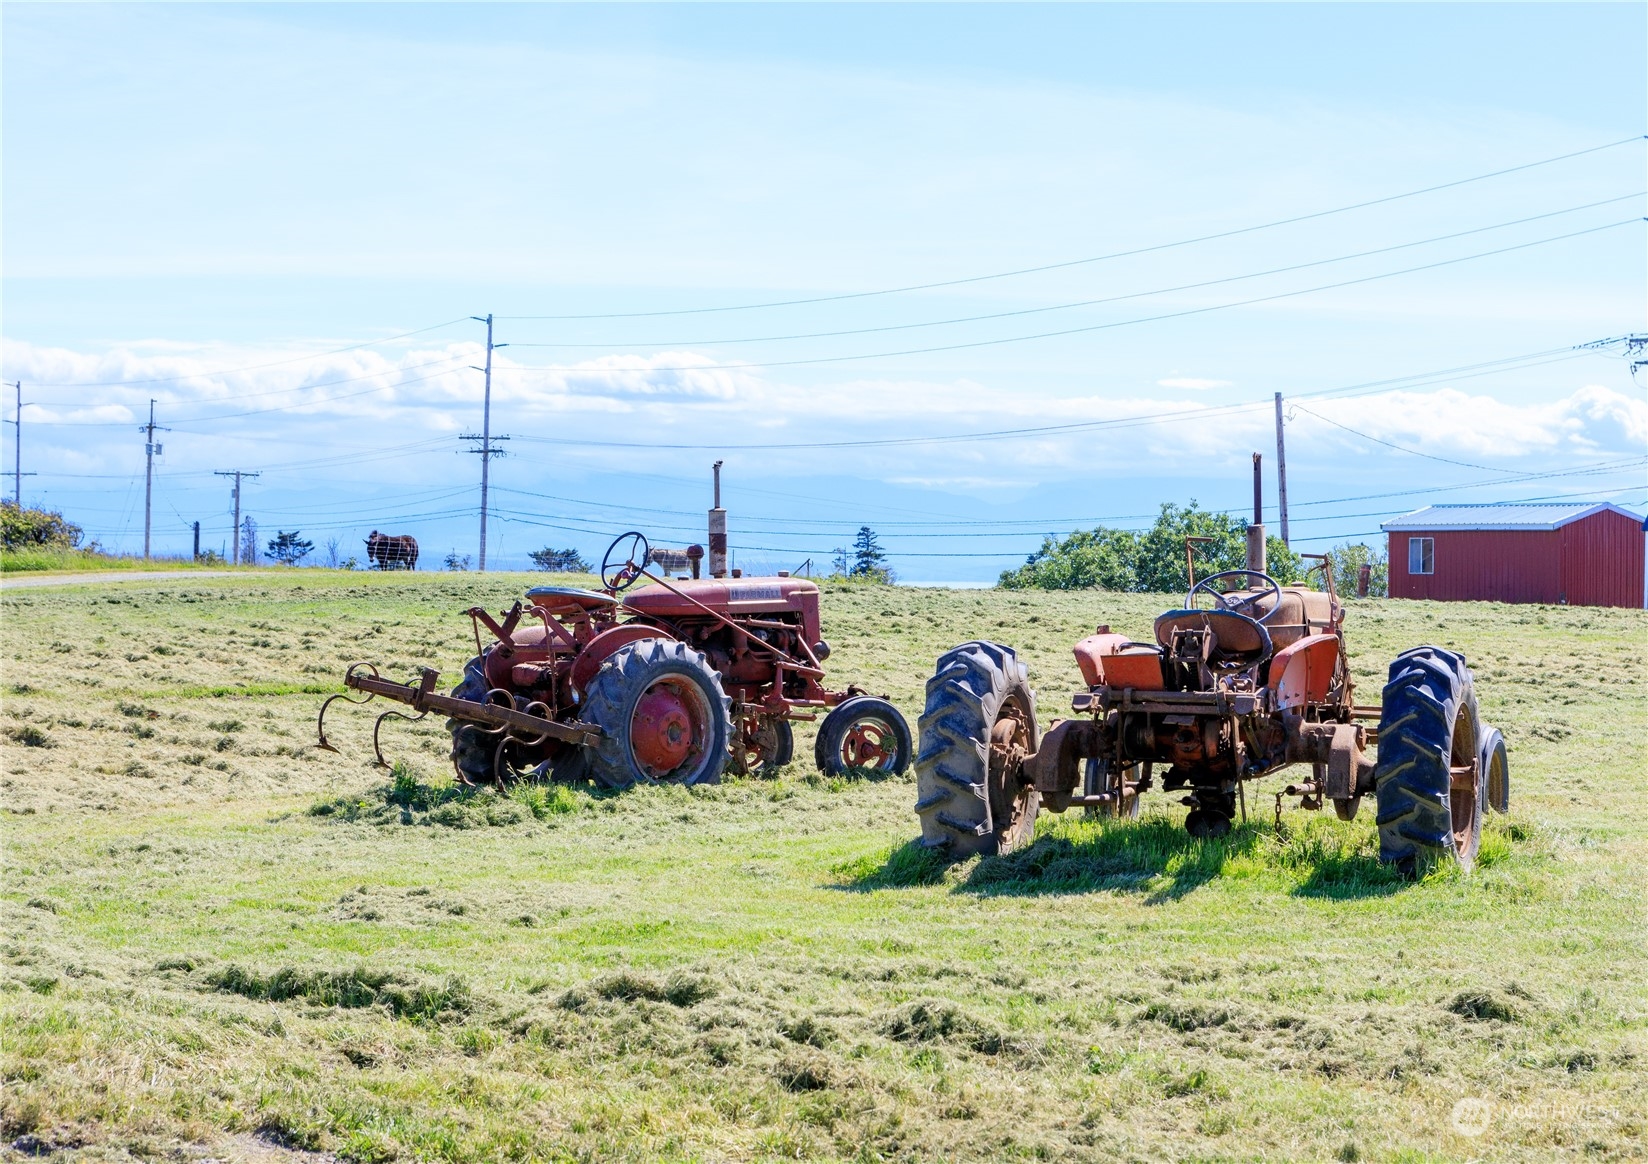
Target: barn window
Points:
(1421, 555)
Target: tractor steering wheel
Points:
(616, 578)
(1273, 590)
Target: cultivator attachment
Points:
(498, 716)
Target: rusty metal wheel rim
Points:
(1009, 800)
(1464, 788)
(760, 744)
(870, 742)
(669, 729)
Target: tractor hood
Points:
(728, 596)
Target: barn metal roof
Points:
(1504, 516)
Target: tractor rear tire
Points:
(473, 748)
(1496, 770)
(978, 702)
(1428, 725)
(863, 734)
(643, 742)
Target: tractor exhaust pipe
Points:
(1256, 530)
(718, 532)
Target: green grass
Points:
(213, 930)
(70, 561)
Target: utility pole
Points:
(17, 458)
(237, 474)
(486, 438)
(149, 449)
(1281, 474)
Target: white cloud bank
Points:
(283, 403)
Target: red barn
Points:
(1582, 554)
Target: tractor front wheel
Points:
(1496, 770)
(663, 715)
(1428, 779)
(978, 725)
(863, 734)
(1099, 780)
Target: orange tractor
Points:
(675, 681)
(1248, 677)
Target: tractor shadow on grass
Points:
(1153, 857)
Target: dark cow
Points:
(392, 553)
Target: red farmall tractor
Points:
(674, 681)
(1248, 677)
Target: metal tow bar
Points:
(364, 677)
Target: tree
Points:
(842, 563)
(1348, 560)
(23, 528)
(455, 563)
(869, 559)
(334, 552)
(289, 548)
(1150, 562)
(248, 542)
(560, 561)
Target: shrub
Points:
(22, 528)
(1152, 561)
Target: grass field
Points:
(51, 560)
(220, 941)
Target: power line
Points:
(1096, 258)
(1093, 302)
(1418, 379)
(1019, 525)
(819, 360)
(1397, 447)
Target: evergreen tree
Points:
(869, 559)
(288, 548)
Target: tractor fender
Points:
(604, 645)
(1302, 673)
(1113, 660)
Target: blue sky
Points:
(203, 204)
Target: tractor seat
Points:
(559, 600)
(1238, 640)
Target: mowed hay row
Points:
(213, 947)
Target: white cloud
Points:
(1447, 421)
(282, 404)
